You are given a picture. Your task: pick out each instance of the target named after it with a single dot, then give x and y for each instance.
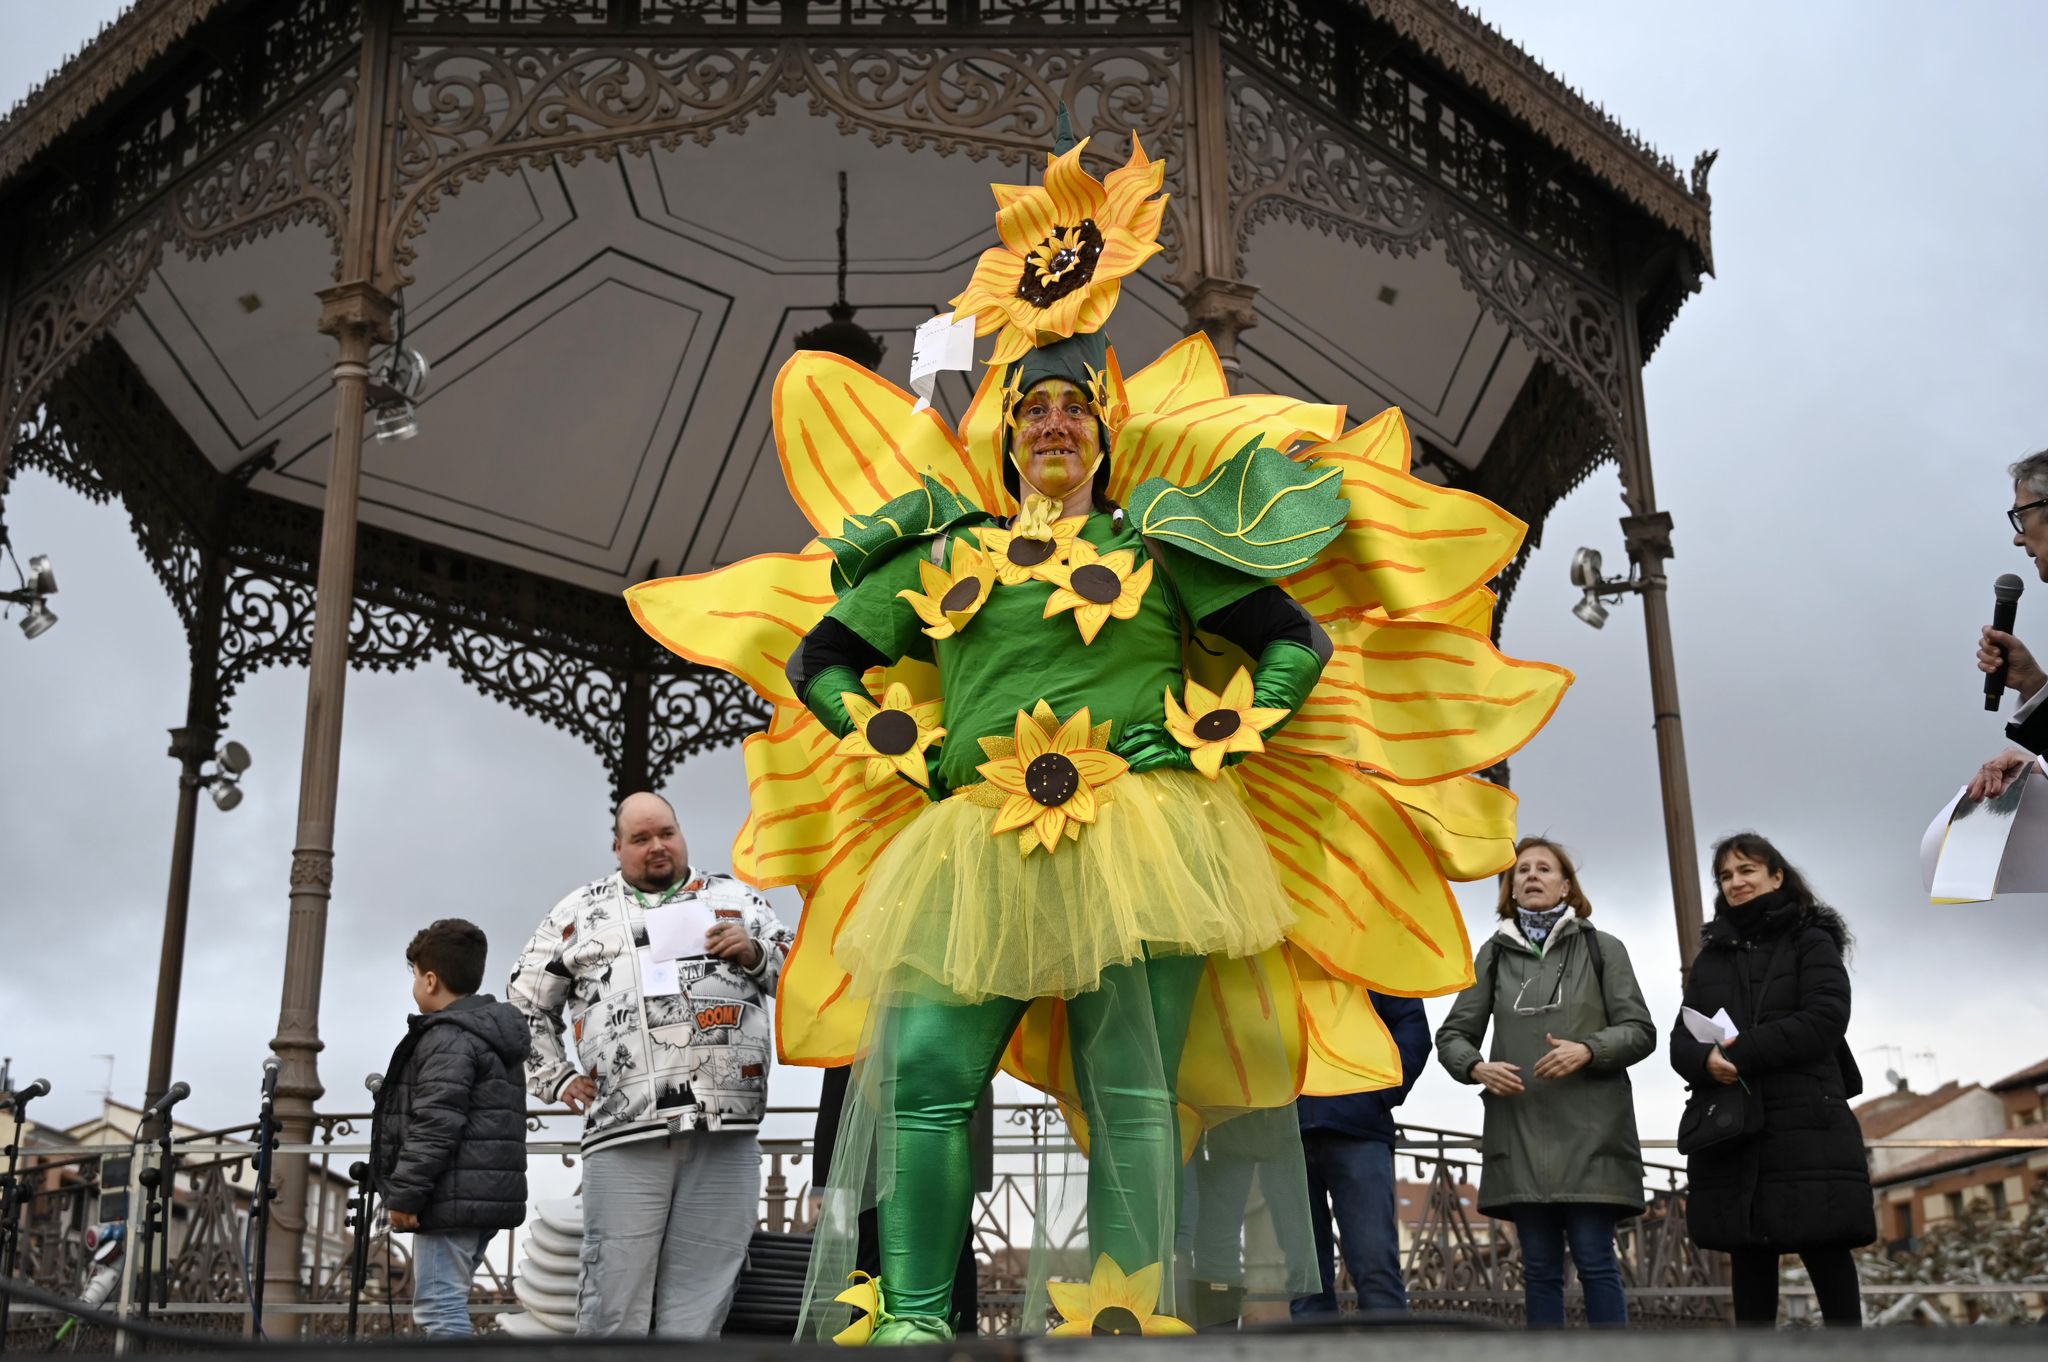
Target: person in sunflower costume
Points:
(1121, 740)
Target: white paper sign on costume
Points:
(658, 977)
(1977, 849)
(941, 344)
(676, 931)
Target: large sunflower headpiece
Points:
(1068, 245)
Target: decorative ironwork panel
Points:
(239, 75)
(1288, 160)
(1360, 74)
(469, 110)
(293, 168)
(1140, 14)
(559, 12)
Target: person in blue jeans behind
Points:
(448, 1136)
(1559, 1153)
(1349, 1145)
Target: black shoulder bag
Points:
(1717, 1113)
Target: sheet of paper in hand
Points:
(1977, 849)
(676, 931)
(658, 978)
(1710, 1030)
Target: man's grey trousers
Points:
(666, 1223)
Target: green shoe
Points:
(899, 1330)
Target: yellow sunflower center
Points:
(1096, 583)
(1052, 779)
(1062, 263)
(1218, 724)
(892, 732)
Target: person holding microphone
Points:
(1999, 649)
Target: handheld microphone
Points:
(373, 1082)
(270, 1068)
(2006, 592)
(177, 1093)
(39, 1088)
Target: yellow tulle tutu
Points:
(1173, 864)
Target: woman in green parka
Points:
(1560, 1153)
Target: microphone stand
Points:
(10, 1206)
(266, 1144)
(359, 1220)
(160, 1182)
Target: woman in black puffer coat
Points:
(1773, 956)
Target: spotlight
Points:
(394, 421)
(234, 758)
(1592, 608)
(226, 794)
(39, 620)
(42, 579)
(394, 394)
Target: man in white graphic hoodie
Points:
(673, 1052)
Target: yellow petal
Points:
(746, 619)
(1186, 443)
(1034, 736)
(1080, 806)
(860, 708)
(1349, 1047)
(1247, 1039)
(1141, 1290)
(1049, 824)
(1017, 811)
(1071, 1299)
(1238, 693)
(1006, 774)
(850, 440)
(1422, 702)
(1188, 372)
(1408, 545)
(1073, 734)
(1208, 759)
(1469, 822)
(1097, 767)
(1091, 618)
(1371, 904)
(1164, 1326)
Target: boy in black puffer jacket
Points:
(449, 1133)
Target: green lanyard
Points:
(666, 894)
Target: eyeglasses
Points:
(2018, 514)
(1556, 997)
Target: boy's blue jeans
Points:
(443, 1264)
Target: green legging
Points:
(940, 1059)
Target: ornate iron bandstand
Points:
(606, 222)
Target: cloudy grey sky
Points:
(1830, 418)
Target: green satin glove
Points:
(1287, 673)
(1149, 747)
(822, 699)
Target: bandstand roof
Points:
(605, 329)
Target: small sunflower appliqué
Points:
(1112, 1304)
(1097, 586)
(1035, 544)
(1052, 778)
(1213, 726)
(865, 1296)
(951, 598)
(892, 736)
